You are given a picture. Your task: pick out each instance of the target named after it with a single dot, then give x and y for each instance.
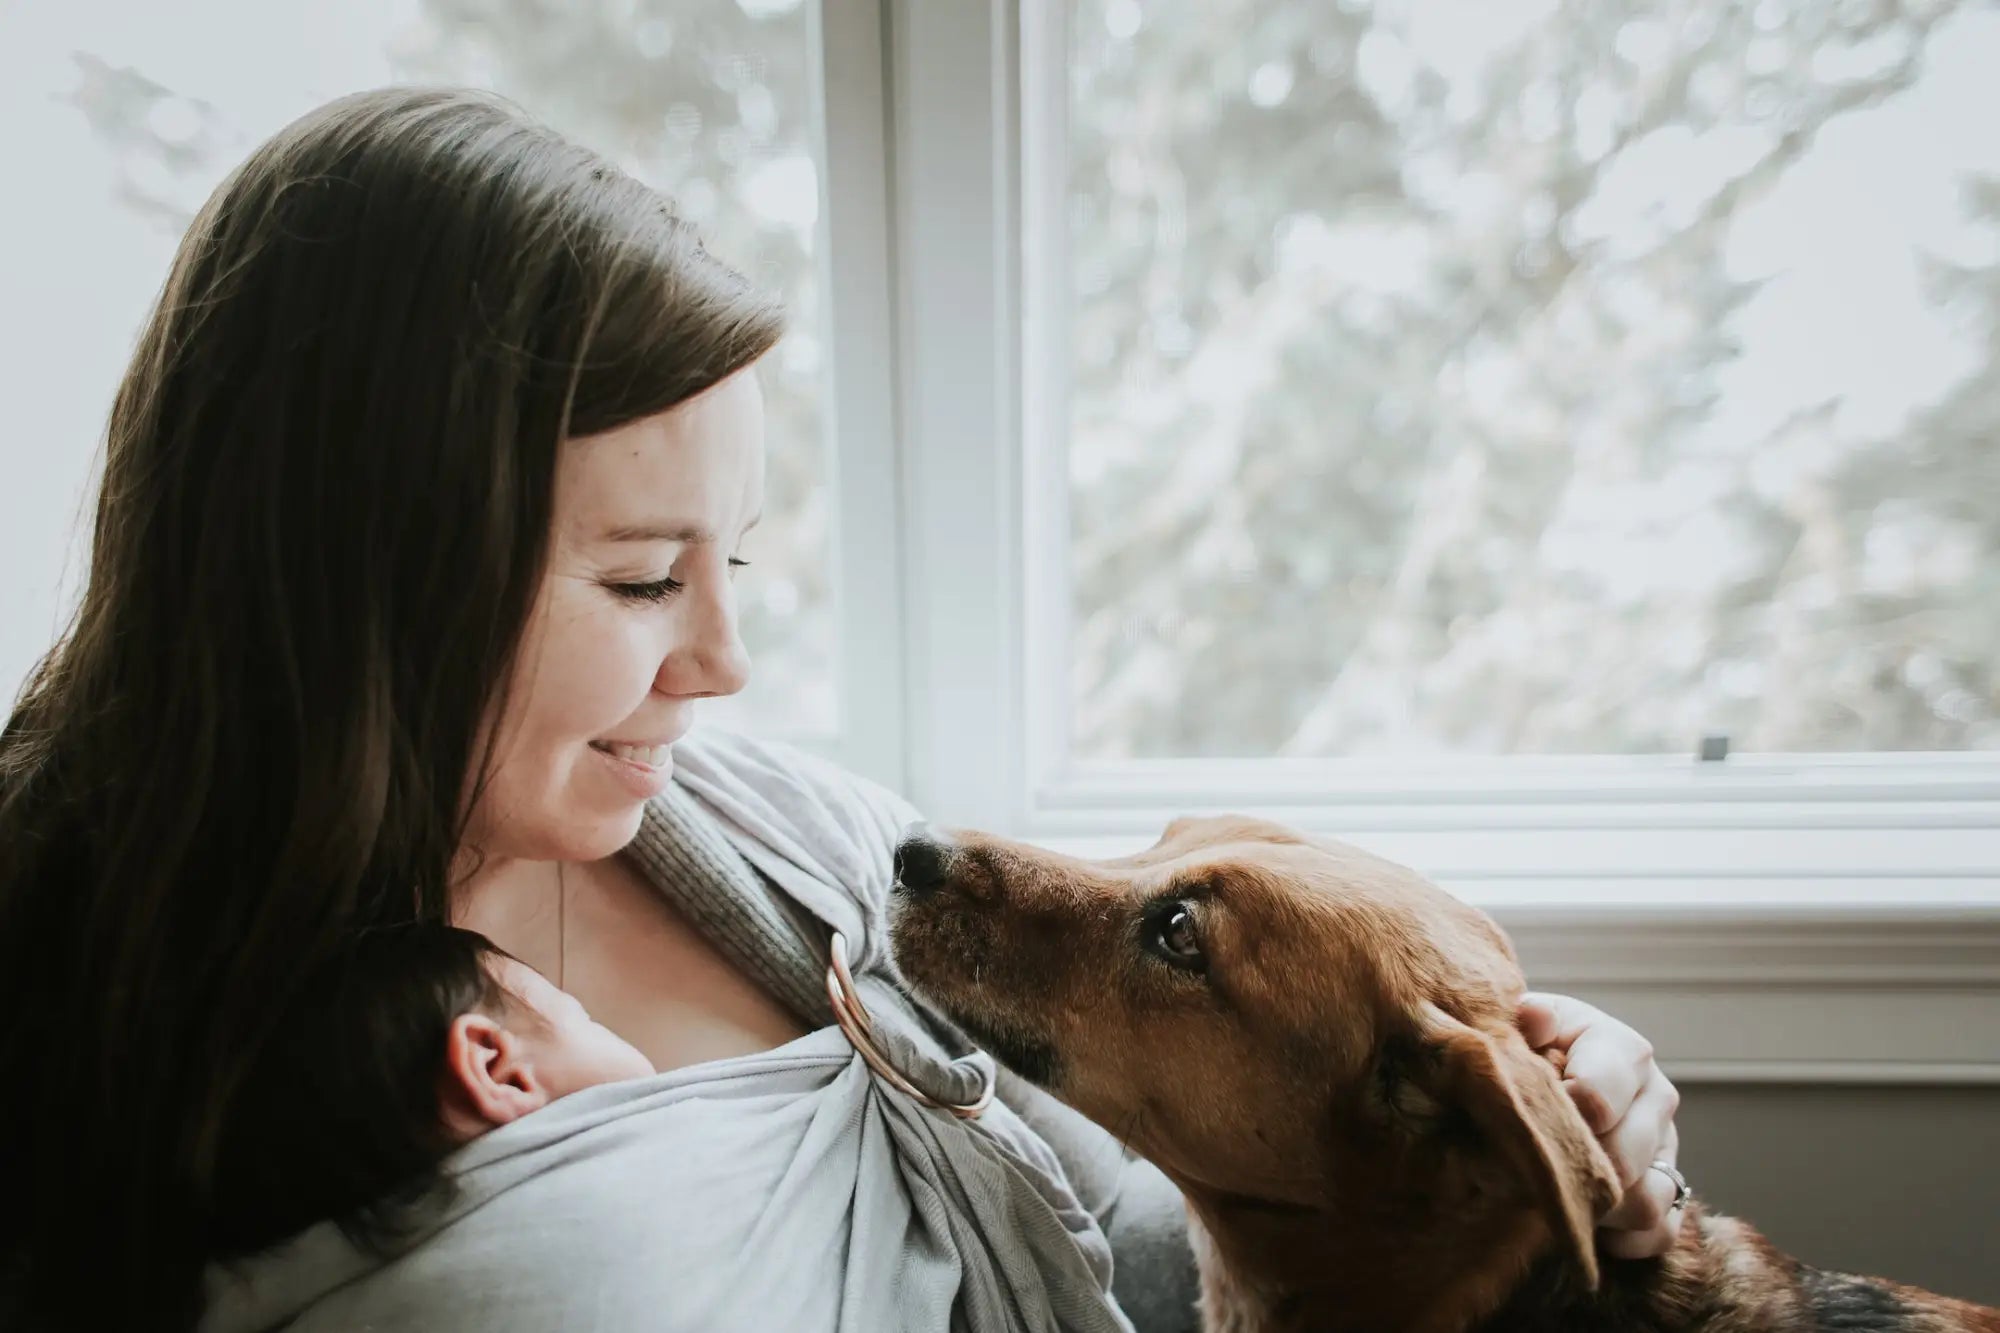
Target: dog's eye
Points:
(1173, 934)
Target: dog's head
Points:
(1285, 1025)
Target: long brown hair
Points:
(323, 518)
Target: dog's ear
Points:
(1514, 1098)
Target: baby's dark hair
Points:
(339, 1117)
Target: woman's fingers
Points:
(1608, 1063)
(1645, 1135)
(1645, 1223)
(1608, 1071)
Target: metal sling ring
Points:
(859, 1029)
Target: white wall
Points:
(65, 329)
(78, 271)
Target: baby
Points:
(413, 1042)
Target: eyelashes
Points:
(660, 590)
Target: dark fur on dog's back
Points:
(1332, 1074)
(1722, 1277)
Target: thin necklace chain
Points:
(562, 927)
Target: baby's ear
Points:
(488, 1079)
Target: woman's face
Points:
(636, 620)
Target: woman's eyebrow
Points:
(693, 534)
(688, 534)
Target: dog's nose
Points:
(923, 859)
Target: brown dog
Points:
(1319, 1048)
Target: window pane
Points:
(131, 112)
(1506, 377)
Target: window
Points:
(125, 117)
(1455, 378)
(1408, 422)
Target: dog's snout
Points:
(923, 859)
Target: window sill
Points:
(1778, 981)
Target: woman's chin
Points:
(592, 812)
(591, 825)
(607, 834)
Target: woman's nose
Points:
(725, 664)
(710, 658)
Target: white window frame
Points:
(852, 252)
(1765, 917)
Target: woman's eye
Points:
(1175, 936)
(657, 591)
(736, 564)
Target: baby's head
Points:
(411, 1043)
(521, 1046)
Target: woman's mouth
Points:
(643, 771)
(652, 756)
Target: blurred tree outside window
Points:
(1495, 377)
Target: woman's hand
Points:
(1628, 1103)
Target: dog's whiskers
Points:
(1122, 1140)
(1131, 1127)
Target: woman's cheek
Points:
(624, 657)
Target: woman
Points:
(422, 498)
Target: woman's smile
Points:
(653, 756)
(643, 768)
